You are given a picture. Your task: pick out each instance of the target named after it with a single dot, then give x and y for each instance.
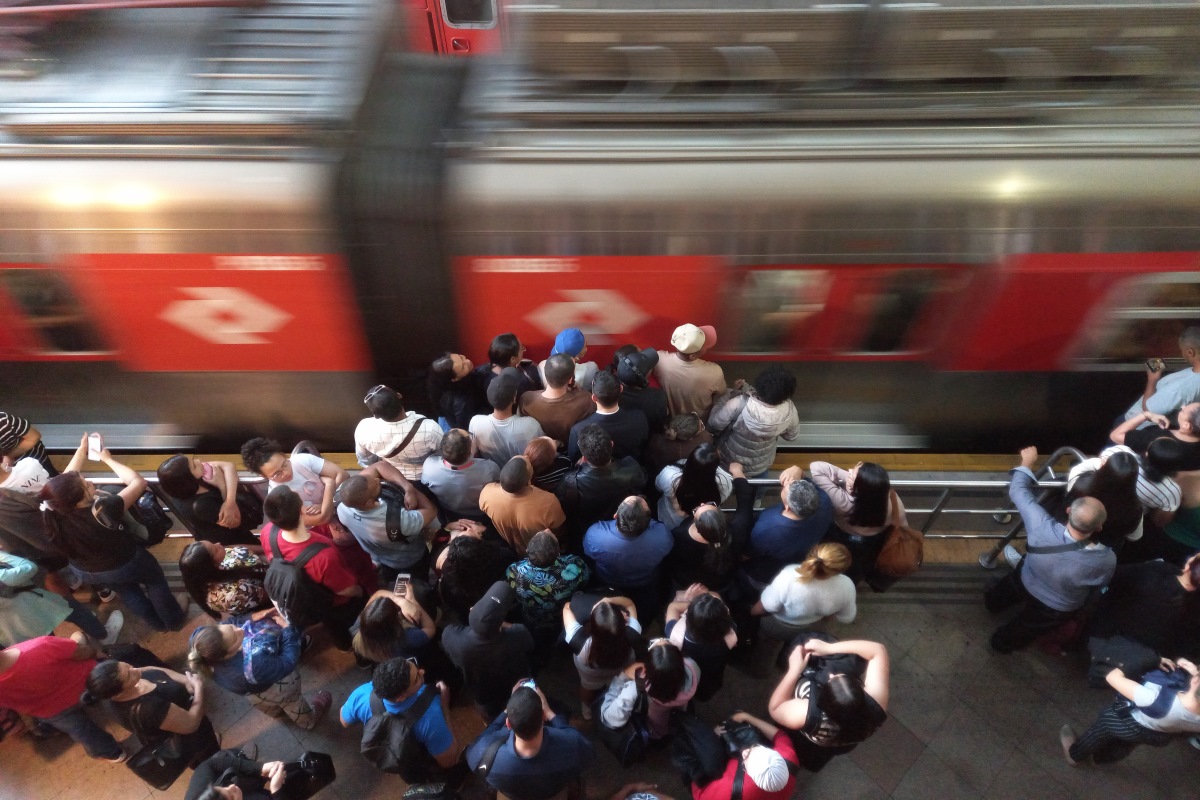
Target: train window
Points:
(52, 310)
(1145, 320)
(891, 308)
(773, 305)
(470, 13)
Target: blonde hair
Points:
(824, 561)
(208, 648)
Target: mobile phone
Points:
(529, 684)
(95, 446)
(1155, 364)
(402, 581)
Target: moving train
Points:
(974, 243)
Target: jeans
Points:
(143, 589)
(74, 722)
(86, 620)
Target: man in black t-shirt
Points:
(1188, 434)
(628, 427)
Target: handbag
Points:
(1133, 658)
(160, 764)
(311, 773)
(903, 550)
(739, 736)
(630, 742)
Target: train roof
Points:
(277, 70)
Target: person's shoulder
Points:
(308, 461)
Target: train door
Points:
(455, 27)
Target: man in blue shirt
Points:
(399, 683)
(1061, 568)
(628, 550)
(785, 533)
(539, 755)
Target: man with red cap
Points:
(690, 381)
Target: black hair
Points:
(633, 517)
(560, 368)
(392, 678)
(176, 479)
(1165, 456)
(697, 482)
(515, 475)
(103, 682)
(282, 507)
(543, 550)
(708, 619)
(666, 673)
(623, 350)
(504, 349)
(1114, 484)
(198, 570)
(610, 649)
(525, 713)
(456, 447)
(258, 451)
(385, 404)
(718, 556)
(595, 444)
(775, 385)
(470, 569)
(606, 388)
(872, 487)
(844, 700)
(441, 375)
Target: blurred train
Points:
(971, 229)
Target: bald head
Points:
(1086, 516)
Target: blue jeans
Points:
(86, 620)
(74, 722)
(143, 589)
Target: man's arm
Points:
(1020, 491)
(1152, 379)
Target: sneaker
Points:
(1066, 736)
(249, 751)
(1194, 741)
(1012, 555)
(114, 623)
(305, 643)
(106, 594)
(121, 759)
(320, 703)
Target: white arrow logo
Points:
(225, 315)
(596, 312)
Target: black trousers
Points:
(1034, 618)
(1114, 735)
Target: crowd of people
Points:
(569, 505)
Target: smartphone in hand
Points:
(401, 587)
(1155, 364)
(95, 446)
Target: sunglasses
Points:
(376, 390)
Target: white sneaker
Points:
(116, 620)
(1012, 555)
(1194, 741)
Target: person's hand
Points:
(410, 499)
(105, 455)
(852, 476)
(547, 714)
(790, 474)
(817, 647)
(465, 527)
(1166, 664)
(1029, 456)
(798, 658)
(408, 609)
(1184, 664)
(231, 515)
(739, 383)
(740, 716)
(312, 510)
(1158, 419)
(735, 469)
(195, 682)
(275, 774)
(694, 591)
(6, 463)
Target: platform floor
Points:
(965, 723)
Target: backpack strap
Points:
(418, 709)
(308, 553)
(273, 540)
(739, 780)
(412, 432)
(1057, 548)
(377, 707)
(489, 756)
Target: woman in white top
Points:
(803, 594)
(694, 481)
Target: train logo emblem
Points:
(596, 312)
(225, 315)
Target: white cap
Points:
(766, 768)
(688, 339)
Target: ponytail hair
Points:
(824, 561)
(206, 649)
(718, 556)
(62, 493)
(103, 682)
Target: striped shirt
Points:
(1164, 494)
(12, 428)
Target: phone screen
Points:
(95, 446)
(401, 587)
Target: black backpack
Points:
(301, 599)
(389, 740)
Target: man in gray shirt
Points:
(1060, 569)
(456, 477)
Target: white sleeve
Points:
(724, 484)
(665, 479)
(572, 629)
(633, 623)
(1145, 694)
(619, 700)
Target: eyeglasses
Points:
(278, 474)
(697, 509)
(414, 672)
(374, 392)
(657, 641)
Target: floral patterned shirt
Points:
(242, 595)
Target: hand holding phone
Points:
(95, 446)
(1155, 364)
(401, 587)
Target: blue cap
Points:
(569, 341)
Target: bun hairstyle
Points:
(824, 561)
(207, 649)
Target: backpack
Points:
(630, 742)
(149, 513)
(389, 740)
(393, 501)
(301, 599)
(818, 727)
